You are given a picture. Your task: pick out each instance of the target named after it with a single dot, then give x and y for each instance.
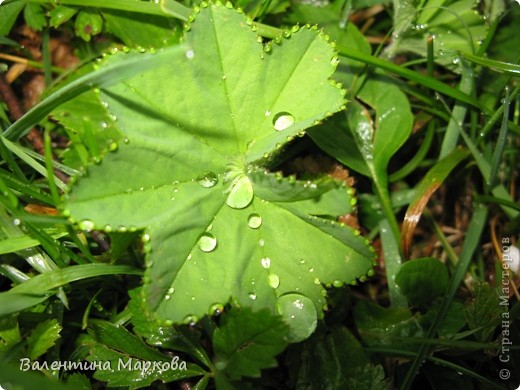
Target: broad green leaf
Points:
(377, 138)
(140, 30)
(42, 338)
(34, 17)
(9, 332)
(11, 375)
(368, 378)
(8, 14)
(484, 313)
(195, 130)
(165, 336)
(247, 342)
(383, 326)
(127, 362)
(422, 280)
(60, 15)
(327, 360)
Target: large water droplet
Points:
(241, 193)
(207, 179)
(299, 313)
(216, 309)
(207, 242)
(282, 121)
(254, 221)
(86, 225)
(266, 262)
(273, 280)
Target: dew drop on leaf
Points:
(86, 225)
(266, 262)
(337, 283)
(241, 193)
(216, 309)
(190, 54)
(273, 280)
(254, 221)
(207, 179)
(282, 121)
(207, 242)
(252, 296)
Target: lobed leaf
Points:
(195, 132)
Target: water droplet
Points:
(171, 290)
(252, 296)
(167, 297)
(112, 147)
(282, 121)
(266, 262)
(146, 237)
(207, 242)
(317, 281)
(16, 222)
(267, 113)
(216, 309)
(337, 283)
(207, 179)
(86, 225)
(190, 54)
(261, 242)
(254, 221)
(273, 280)
(241, 193)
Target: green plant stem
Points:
(476, 226)
(166, 7)
(457, 368)
(458, 113)
(418, 158)
(426, 81)
(501, 143)
(393, 261)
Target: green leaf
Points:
(381, 326)
(186, 172)
(34, 17)
(127, 361)
(327, 360)
(13, 378)
(61, 14)
(42, 338)
(88, 23)
(9, 332)
(140, 30)
(10, 12)
(422, 280)
(377, 138)
(247, 342)
(484, 313)
(368, 378)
